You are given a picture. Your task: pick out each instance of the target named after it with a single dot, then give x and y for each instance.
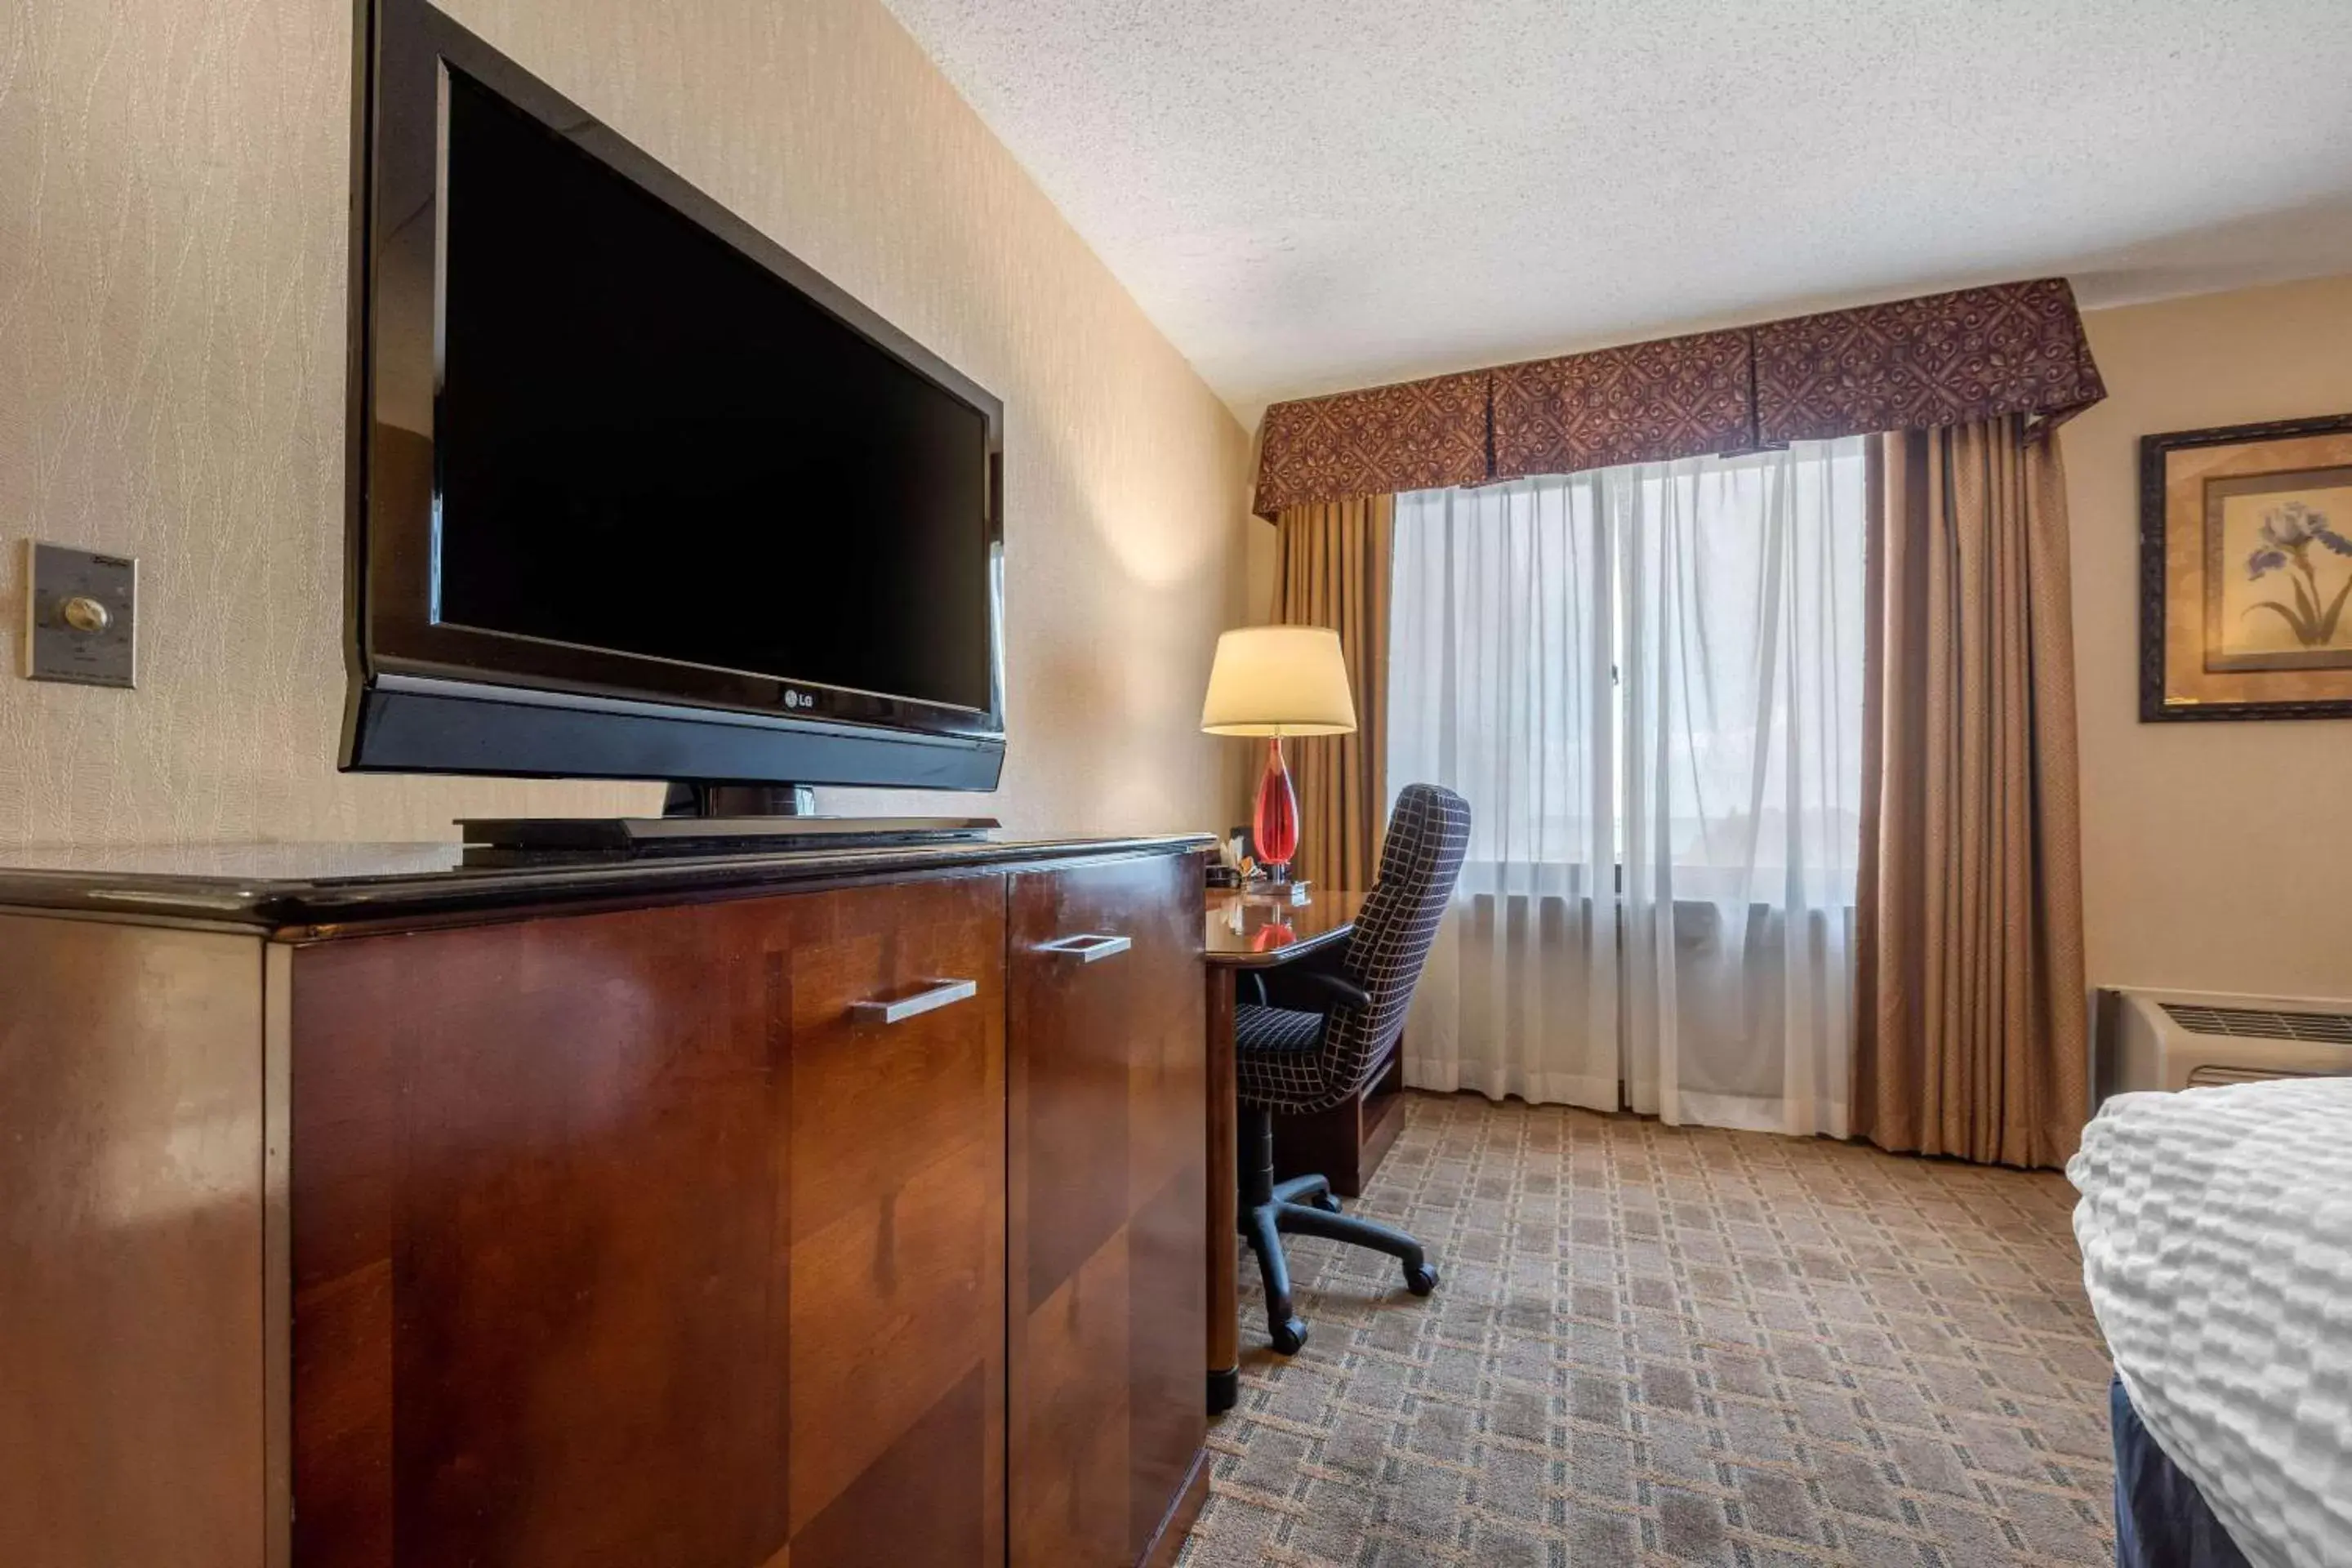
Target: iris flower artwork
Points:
(2246, 571)
(2292, 537)
(2279, 570)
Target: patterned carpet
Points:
(1675, 1345)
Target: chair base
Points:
(1304, 1206)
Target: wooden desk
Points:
(1245, 932)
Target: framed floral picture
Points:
(2246, 571)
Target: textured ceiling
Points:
(1307, 194)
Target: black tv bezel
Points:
(426, 696)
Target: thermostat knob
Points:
(85, 614)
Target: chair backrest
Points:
(1429, 832)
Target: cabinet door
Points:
(622, 1238)
(897, 1230)
(1106, 1079)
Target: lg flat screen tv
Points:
(634, 493)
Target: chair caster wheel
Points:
(1291, 1337)
(1326, 1202)
(1421, 1281)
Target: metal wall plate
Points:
(80, 615)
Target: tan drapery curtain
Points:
(1971, 1015)
(1331, 569)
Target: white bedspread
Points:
(2216, 1227)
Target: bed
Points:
(2216, 1230)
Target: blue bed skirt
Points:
(2161, 1518)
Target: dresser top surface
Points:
(270, 887)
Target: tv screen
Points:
(636, 493)
(647, 442)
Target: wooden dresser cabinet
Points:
(789, 1213)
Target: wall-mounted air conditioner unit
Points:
(2184, 1039)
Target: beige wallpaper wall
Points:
(2215, 856)
(172, 179)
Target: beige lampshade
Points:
(1278, 680)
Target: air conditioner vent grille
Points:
(2206, 1077)
(2262, 1022)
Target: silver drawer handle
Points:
(1086, 949)
(939, 994)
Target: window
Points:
(1647, 680)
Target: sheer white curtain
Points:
(1500, 646)
(1657, 909)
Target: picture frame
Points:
(2246, 571)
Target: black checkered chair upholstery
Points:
(1322, 1031)
(1295, 1062)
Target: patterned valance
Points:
(1418, 436)
(1917, 363)
(2016, 348)
(1677, 397)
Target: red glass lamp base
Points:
(1276, 828)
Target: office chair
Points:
(1322, 1027)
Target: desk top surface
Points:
(279, 886)
(1248, 931)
